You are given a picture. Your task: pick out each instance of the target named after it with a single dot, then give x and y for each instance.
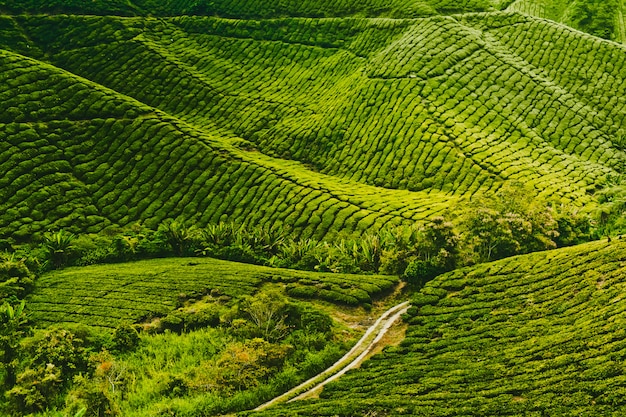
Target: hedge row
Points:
(539, 334)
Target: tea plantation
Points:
(539, 334)
(109, 295)
(322, 125)
(404, 136)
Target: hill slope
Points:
(536, 334)
(323, 125)
(78, 156)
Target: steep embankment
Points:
(322, 125)
(536, 334)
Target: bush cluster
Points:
(250, 350)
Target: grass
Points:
(531, 335)
(109, 295)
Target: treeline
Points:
(506, 224)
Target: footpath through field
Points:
(350, 360)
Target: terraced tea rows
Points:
(413, 120)
(109, 295)
(540, 334)
(211, 112)
(132, 164)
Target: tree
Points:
(179, 236)
(16, 280)
(59, 246)
(267, 313)
(98, 393)
(508, 223)
(439, 243)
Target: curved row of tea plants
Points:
(536, 334)
(425, 104)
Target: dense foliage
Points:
(253, 348)
(254, 8)
(388, 137)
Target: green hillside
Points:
(83, 157)
(189, 335)
(300, 134)
(539, 334)
(322, 125)
(109, 295)
(603, 18)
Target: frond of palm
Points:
(59, 242)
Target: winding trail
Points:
(350, 360)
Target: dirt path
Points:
(350, 360)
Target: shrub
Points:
(59, 246)
(419, 272)
(181, 238)
(125, 338)
(35, 390)
(16, 278)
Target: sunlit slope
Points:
(253, 8)
(539, 334)
(603, 18)
(76, 155)
(457, 105)
(108, 295)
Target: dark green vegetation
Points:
(539, 334)
(250, 9)
(322, 125)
